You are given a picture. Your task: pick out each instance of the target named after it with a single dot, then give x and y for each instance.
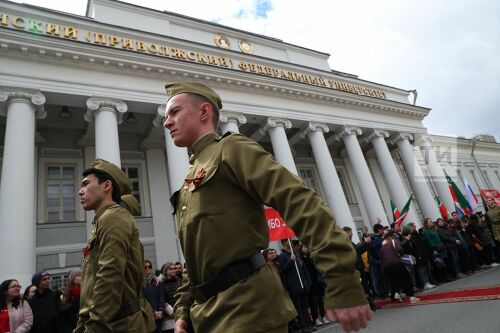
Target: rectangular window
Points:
(343, 182)
(61, 193)
(474, 175)
(133, 173)
(487, 178)
(307, 175)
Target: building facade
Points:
(73, 88)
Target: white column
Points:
(416, 177)
(367, 186)
(177, 157)
(335, 196)
(166, 248)
(281, 148)
(391, 175)
(18, 189)
(230, 121)
(107, 114)
(87, 142)
(438, 177)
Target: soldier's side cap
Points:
(133, 205)
(194, 88)
(115, 172)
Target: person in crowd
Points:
(492, 219)
(15, 312)
(410, 248)
(447, 235)
(113, 256)
(297, 283)
(361, 249)
(377, 277)
(250, 178)
(45, 304)
(271, 257)
(481, 234)
(169, 284)
(466, 249)
(399, 276)
(29, 292)
(178, 270)
(153, 292)
(439, 254)
(423, 256)
(316, 291)
(397, 232)
(71, 301)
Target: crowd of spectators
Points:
(392, 262)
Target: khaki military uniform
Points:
(493, 215)
(221, 220)
(113, 276)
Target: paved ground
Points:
(464, 317)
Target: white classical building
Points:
(73, 88)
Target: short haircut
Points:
(215, 109)
(347, 229)
(393, 224)
(377, 227)
(103, 176)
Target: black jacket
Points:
(46, 309)
(290, 277)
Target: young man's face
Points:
(490, 202)
(454, 216)
(91, 192)
(183, 118)
(397, 228)
(44, 284)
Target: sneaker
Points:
(429, 286)
(318, 322)
(414, 300)
(325, 321)
(494, 264)
(461, 276)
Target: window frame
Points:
(44, 163)
(143, 184)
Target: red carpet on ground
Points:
(461, 295)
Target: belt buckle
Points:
(198, 295)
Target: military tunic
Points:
(220, 219)
(113, 276)
(493, 215)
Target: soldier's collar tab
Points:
(202, 143)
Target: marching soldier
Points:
(227, 287)
(112, 278)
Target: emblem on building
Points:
(222, 41)
(245, 46)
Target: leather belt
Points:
(228, 277)
(128, 310)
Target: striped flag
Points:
(404, 212)
(395, 211)
(442, 209)
(471, 197)
(461, 204)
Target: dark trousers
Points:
(301, 305)
(316, 305)
(399, 278)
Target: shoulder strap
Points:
(394, 244)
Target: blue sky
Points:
(448, 50)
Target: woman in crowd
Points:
(439, 253)
(154, 294)
(29, 292)
(481, 234)
(15, 312)
(398, 275)
(170, 284)
(71, 301)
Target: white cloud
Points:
(447, 50)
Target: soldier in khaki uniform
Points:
(112, 278)
(222, 229)
(493, 217)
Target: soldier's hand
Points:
(352, 319)
(181, 326)
(293, 257)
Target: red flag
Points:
(442, 209)
(490, 193)
(277, 226)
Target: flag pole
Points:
(295, 261)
